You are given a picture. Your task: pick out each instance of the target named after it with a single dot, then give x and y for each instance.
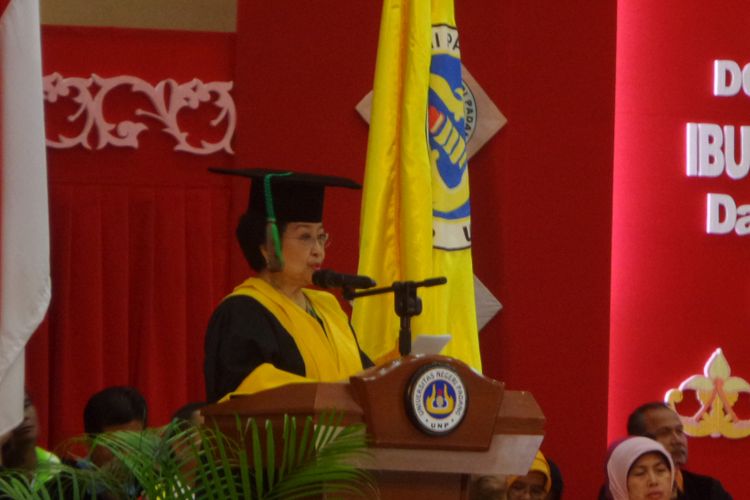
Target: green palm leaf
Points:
(64, 482)
(179, 462)
(313, 460)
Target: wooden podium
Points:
(418, 448)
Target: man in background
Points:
(118, 408)
(658, 421)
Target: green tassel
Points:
(273, 238)
(273, 246)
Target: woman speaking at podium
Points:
(272, 330)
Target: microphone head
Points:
(325, 278)
(322, 278)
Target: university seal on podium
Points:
(436, 399)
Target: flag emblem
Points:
(446, 125)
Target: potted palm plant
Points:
(184, 462)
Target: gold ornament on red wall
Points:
(717, 392)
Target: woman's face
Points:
(303, 248)
(530, 486)
(650, 478)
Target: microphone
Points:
(325, 278)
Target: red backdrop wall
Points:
(142, 239)
(677, 292)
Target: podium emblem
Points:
(436, 399)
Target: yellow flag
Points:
(415, 207)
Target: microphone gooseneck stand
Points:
(406, 302)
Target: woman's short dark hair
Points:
(114, 406)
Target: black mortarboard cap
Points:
(296, 196)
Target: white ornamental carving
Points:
(167, 97)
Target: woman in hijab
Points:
(640, 468)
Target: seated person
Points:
(536, 484)
(190, 413)
(187, 418)
(640, 468)
(21, 451)
(273, 330)
(4, 438)
(118, 408)
(658, 421)
(555, 492)
(487, 488)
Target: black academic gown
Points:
(242, 334)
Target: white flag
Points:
(24, 223)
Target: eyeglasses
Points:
(308, 240)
